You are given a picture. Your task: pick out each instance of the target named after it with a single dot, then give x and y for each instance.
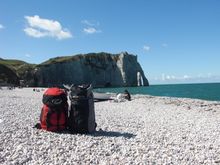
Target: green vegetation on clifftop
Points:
(65, 59)
(11, 71)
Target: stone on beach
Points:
(146, 130)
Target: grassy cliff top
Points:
(14, 68)
(9, 69)
(61, 59)
(12, 62)
(65, 59)
(20, 67)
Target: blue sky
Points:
(176, 41)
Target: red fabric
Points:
(43, 122)
(54, 91)
(49, 121)
(52, 124)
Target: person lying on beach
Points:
(127, 95)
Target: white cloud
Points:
(165, 45)
(27, 55)
(146, 47)
(168, 77)
(64, 34)
(163, 77)
(185, 77)
(91, 30)
(39, 27)
(173, 77)
(1, 26)
(35, 33)
(91, 23)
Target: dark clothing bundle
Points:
(128, 97)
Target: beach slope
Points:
(146, 130)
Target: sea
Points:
(203, 91)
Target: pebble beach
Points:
(146, 130)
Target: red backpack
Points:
(54, 112)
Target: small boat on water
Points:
(101, 96)
(96, 95)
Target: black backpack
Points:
(81, 114)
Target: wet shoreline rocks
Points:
(146, 130)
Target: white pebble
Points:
(146, 130)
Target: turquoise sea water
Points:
(204, 91)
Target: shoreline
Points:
(146, 130)
(132, 95)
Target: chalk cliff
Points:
(101, 70)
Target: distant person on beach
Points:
(127, 95)
(118, 97)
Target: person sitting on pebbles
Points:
(118, 97)
(127, 95)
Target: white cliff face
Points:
(105, 70)
(139, 79)
(120, 64)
